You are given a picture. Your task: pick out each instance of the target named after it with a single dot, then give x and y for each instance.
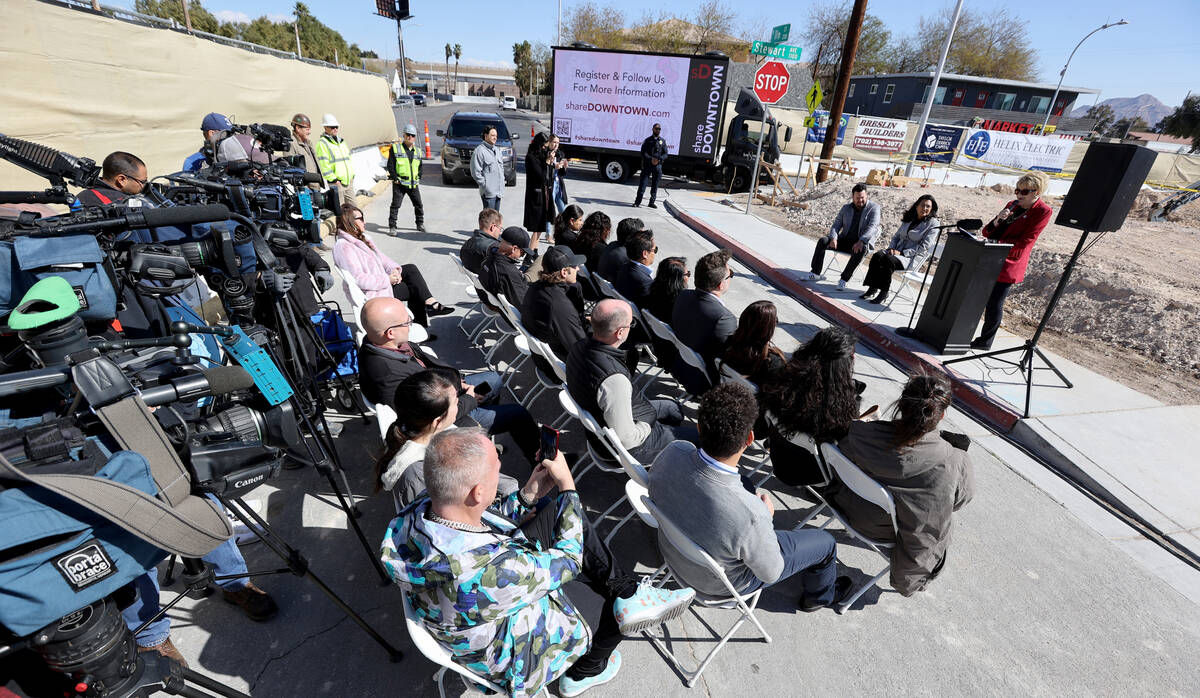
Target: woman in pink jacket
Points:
(377, 274)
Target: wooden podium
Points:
(960, 289)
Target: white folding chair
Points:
(871, 491)
(744, 604)
(474, 288)
(808, 443)
(601, 461)
(555, 380)
(440, 656)
(512, 318)
(912, 278)
(683, 353)
(635, 487)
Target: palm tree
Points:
(449, 52)
(457, 55)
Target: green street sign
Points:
(812, 100)
(780, 34)
(781, 51)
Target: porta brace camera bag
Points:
(57, 556)
(26, 260)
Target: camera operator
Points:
(122, 175)
(222, 144)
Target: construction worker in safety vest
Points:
(333, 157)
(404, 169)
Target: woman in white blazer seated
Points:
(909, 248)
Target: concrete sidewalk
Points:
(1128, 448)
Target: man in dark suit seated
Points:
(387, 357)
(614, 255)
(700, 319)
(500, 272)
(635, 277)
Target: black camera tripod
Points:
(198, 575)
(293, 330)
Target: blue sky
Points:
(1158, 52)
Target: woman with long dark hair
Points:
(539, 171)
(377, 274)
(426, 403)
(593, 237)
(670, 279)
(927, 471)
(567, 225)
(750, 350)
(814, 393)
(910, 246)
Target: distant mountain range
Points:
(1145, 106)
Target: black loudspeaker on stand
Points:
(1099, 199)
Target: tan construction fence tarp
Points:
(89, 85)
(1170, 170)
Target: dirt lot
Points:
(1131, 309)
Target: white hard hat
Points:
(329, 120)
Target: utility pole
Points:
(937, 77)
(403, 64)
(187, 17)
(849, 48)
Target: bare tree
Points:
(659, 32)
(826, 32)
(600, 26)
(995, 44)
(714, 21)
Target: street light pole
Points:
(937, 77)
(1062, 73)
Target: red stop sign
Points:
(771, 82)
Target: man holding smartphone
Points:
(494, 590)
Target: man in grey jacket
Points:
(487, 169)
(853, 232)
(702, 492)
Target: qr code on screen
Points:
(562, 129)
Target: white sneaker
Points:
(815, 277)
(841, 284)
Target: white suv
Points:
(509, 102)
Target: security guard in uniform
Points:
(404, 169)
(333, 156)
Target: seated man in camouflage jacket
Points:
(486, 575)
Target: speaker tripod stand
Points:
(1029, 350)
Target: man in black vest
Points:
(598, 379)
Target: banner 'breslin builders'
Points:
(612, 99)
(886, 135)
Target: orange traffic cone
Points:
(428, 152)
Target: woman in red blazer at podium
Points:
(1019, 224)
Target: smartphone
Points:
(548, 450)
(483, 389)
